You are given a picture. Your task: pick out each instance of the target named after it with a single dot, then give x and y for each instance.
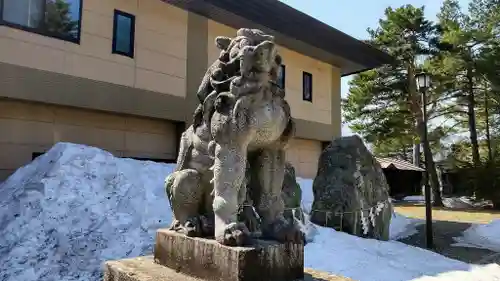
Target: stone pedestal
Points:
(141, 269)
(208, 260)
(145, 269)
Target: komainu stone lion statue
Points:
(233, 154)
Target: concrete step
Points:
(145, 269)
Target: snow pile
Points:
(402, 227)
(307, 193)
(74, 207)
(309, 229)
(465, 202)
(478, 273)
(484, 236)
(458, 202)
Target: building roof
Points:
(292, 29)
(398, 164)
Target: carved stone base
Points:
(141, 269)
(145, 269)
(208, 260)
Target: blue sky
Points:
(355, 16)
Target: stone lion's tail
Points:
(169, 183)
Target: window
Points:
(123, 34)
(55, 18)
(281, 76)
(307, 86)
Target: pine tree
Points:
(457, 66)
(383, 104)
(59, 19)
(485, 17)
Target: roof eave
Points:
(291, 28)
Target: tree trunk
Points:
(405, 152)
(487, 123)
(416, 152)
(471, 104)
(471, 114)
(430, 167)
(416, 107)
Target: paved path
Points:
(444, 231)
(314, 275)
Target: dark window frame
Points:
(306, 75)
(282, 69)
(156, 160)
(42, 31)
(116, 14)
(34, 155)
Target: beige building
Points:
(122, 74)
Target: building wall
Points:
(27, 128)
(336, 112)
(160, 47)
(304, 155)
(159, 82)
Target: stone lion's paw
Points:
(235, 234)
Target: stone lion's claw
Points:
(235, 234)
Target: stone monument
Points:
(237, 142)
(226, 191)
(350, 191)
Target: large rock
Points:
(291, 194)
(350, 191)
(292, 198)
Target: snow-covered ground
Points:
(484, 236)
(414, 198)
(372, 260)
(484, 273)
(462, 202)
(458, 203)
(402, 227)
(76, 206)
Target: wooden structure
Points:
(403, 177)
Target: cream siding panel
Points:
(160, 46)
(31, 55)
(158, 82)
(34, 127)
(304, 155)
